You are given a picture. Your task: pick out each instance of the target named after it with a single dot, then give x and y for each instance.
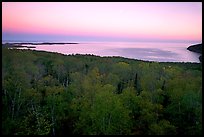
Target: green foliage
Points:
(34, 123)
(106, 115)
(52, 94)
(162, 128)
(123, 70)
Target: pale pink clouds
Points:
(128, 20)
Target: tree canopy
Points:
(53, 94)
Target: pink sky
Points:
(137, 20)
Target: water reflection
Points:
(151, 54)
(162, 52)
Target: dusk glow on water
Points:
(161, 52)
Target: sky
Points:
(100, 21)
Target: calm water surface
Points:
(161, 52)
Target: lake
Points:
(160, 52)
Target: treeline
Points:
(52, 94)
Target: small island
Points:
(196, 48)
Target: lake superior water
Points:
(160, 52)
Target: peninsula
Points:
(196, 48)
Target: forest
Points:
(53, 94)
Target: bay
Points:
(149, 51)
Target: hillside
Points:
(53, 94)
(196, 48)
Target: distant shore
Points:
(20, 45)
(16, 45)
(45, 43)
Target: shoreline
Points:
(21, 45)
(121, 57)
